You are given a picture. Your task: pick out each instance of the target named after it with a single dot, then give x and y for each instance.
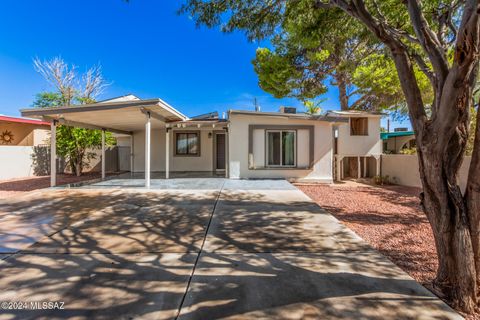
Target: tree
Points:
(74, 144)
(440, 38)
(313, 107)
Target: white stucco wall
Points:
(405, 171)
(360, 145)
(15, 162)
(177, 163)
(238, 149)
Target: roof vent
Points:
(288, 110)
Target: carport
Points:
(116, 116)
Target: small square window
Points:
(187, 144)
(359, 126)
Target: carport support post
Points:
(359, 174)
(227, 153)
(167, 153)
(103, 154)
(147, 151)
(53, 153)
(131, 154)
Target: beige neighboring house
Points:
(243, 145)
(15, 131)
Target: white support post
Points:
(227, 153)
(131, 155)
(365, 167)
(167, 153)
(103, 154)
(339, 168)
(147, 151)
(53, 153)
(378, 163)
(359, 168)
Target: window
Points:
(187, 144)
(359, 126)
(281, 148)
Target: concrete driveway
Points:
(196, 249)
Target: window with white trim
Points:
(281, 148)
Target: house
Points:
(394, 142)
(244, 145)
(15, 131)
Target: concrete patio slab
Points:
(159, 184)
(97, 286)
(132, 227)
(307, 286)
(259, 224)
(256, 250)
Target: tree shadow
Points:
(126, 254)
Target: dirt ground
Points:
(15, 187)
(390, 218)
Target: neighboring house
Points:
(15, 131)
(247, 144)
(394, 142)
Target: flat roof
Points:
(299, 116)
(355, 113)
(387, 135)
(117, 116)
(23, 120)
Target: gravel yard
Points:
(15, 187)
(390, 218)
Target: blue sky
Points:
(145, 48)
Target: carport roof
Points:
(120, 116)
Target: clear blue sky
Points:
(145, 48)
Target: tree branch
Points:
(428, 41)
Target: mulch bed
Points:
(14, 187)
(390, 219)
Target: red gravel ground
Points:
(15, 187)
(389, 218)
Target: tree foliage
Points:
(74, 144)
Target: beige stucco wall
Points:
(25, 134)
(404, 169)
(238, 149)
(177, 163)
(360, 145)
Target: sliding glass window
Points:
(281, 148)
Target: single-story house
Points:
(242, 145)
(394, 142)
(16, 131)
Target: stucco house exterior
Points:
(242, 145)
(394, 142)
(15, 131)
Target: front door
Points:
(220, 151)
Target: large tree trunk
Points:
(472, 198)
(444, 206)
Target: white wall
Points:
(15, 162)
(238, 149)
(177, 163)
(404, 169)
(360, 145)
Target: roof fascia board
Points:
(87, 108)
(86, 126)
